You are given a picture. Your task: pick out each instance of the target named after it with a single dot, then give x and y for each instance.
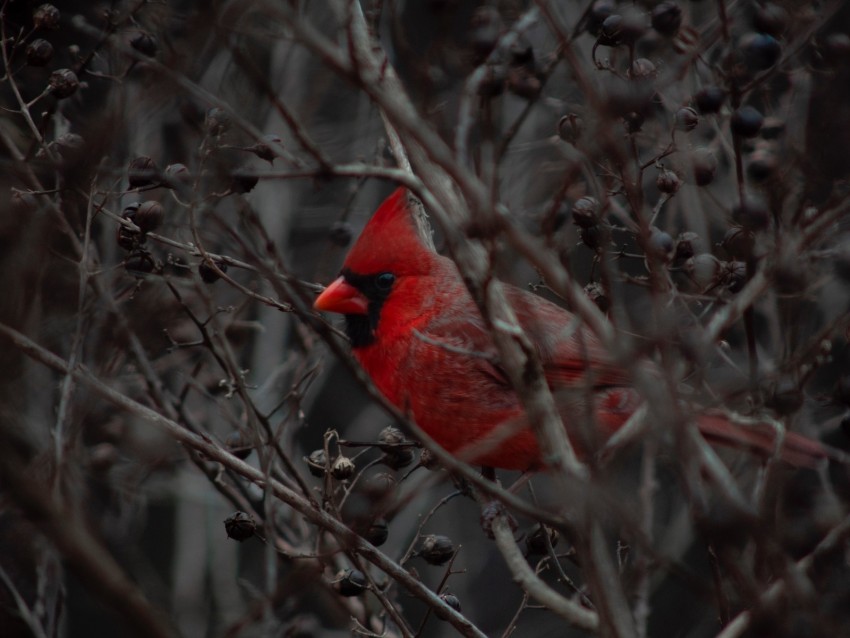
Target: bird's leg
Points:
(489, 473)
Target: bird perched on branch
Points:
(417, 332)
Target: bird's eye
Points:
(385, 281)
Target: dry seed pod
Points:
(63, 83)
(46, 17)
(141, 172)
(208, 273)
(316, 463)
(668, 182)
(144, 43)
(139, 263)
(351, 582)
(177, 174)
(703, 270)
(343, 468)
(39, 52)
(586, 212)
(436, 549)
(149, 216)
(452, 601)
(377, 532)
(217, 121)
(240, 526)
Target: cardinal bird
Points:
(417, 332)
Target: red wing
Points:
(567, 349)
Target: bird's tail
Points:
(762, 439)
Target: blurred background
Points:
(679, 142)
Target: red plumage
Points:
(417, 332)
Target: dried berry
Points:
(46, 17)
(142, 172)
(686, 245)
(208, 274)
(128, 239)
(709, 99)
(686, 119)
(240, 526)
(541, 539)
(667, 18)
(704, 166)
(703, 270)
(585, 212)
(661, 245)
(351, 582)
(217, 121)
(734, 275)
(380, 484)
(130, 210)
(625, 28)
(570, 127)
(63, 83)
(398, 457)
(452, 601)
(391, 435)
(643, 70)
(378, 532)
(144, 43)
(436, 549)
(177, 174)
(139, 263)
(761, 51)
(491, 511)
(595, 237)
(39, 52)
(746, 121)
(668, 182)
(428, 460)
(238, 445)
(634, 121)
(610, 34)
(149, 216)
(599, 11)
(762, 165)
(343, 468)
(317, 463)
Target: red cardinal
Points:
(417, 332)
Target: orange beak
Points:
(343, 298)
